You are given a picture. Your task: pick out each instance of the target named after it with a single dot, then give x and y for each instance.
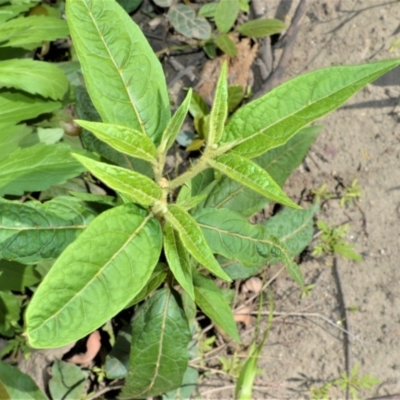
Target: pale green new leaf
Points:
(123, 76)
(30, 32)
(175, 124)
(159, 354)
(37, 168)
(140, 188)
(271, 120)
(17, 106)
(95, 277)
(126, 140)
(31, 231)
(261, 27)
(178, 259)
(212, 302)
(193, 239)
(251, 175)
(219, 109)
(226, 14)
(35, 77)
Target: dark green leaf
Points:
(189, 385)
(130, 5)
(117, 360)
(11, 136)
(10, 309)
(261, 27)
(15, 276)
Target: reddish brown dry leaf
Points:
(243, 314)
(93, 345)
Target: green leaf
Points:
(10, 310)
(164, 3)
(117, 360)
(30, 32)
(68, 381)
(226, 14)
(188, 386)
(17, 106)
(95, 277)
(262, 27)
(126, 140)
(198, 107)
(193, 239)
(130, 5)
(15, 276)
(213, 303)
(140, 188)
(184, 20)
(219, 110)
(273, 119)
(244, 5)
(11, 136)
(178, 259)
(31, 231)
(159, 355)
(18, 384)
(235, 97)
(37, 168)
(175, 124)
(4, 392)
(35, 77)
(208, 10)
(279, 163)
(11, 11)
(227, 45)
(251, 175)
(123, 76)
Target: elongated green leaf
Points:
(126, 140)
(208, 10)
(11, 136)
(37, 168)
(30, 232)
(123, 75)
(159, 355)
(279, 163)
(219, 110)
(175, 124)
(213, 303)
(251, 175)
(4, 392)
(226, 44)
(142, 189)
(193, 239)
(95, 277)
(271, 120)
(198, 107)
(17, 106)
(19, 385)
(35, 77)
(178, 259)
(15, 276)
(30, 32)
(10, 11)
(226, 14)
(261, 27)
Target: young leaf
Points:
(142, 189)
(35, 77)
(174, 126)
(226, 14)
(122, 74)
(178, 259)
(18, 385)
(213, 303)
(193, 239)
(219, 110)
(126, 140)
(226, 44)
(271, 120)
(31, 231)
(37, 168)
(159, 355)
(261, 27)
(251, 175)
(95, 277)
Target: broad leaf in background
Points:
(31, 231)
(188, 386)
(11, 136)
(142, 189)
(159, 354)
(34, 77)
(123, 76)
(183, 19)
(279, 163)
(18, 384)
(10, 312)
(130, 5)
(18, 276)
(116, 365)
(37, 168)
(193, 239)
(226, 14)
(30, 32)
(212, 302)
(10, 11)
(262, 27)
(95, 277)
(274, 118)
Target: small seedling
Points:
(351, 194)
(322, 194)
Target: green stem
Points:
(189, 174)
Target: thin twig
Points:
(104, 390)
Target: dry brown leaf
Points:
(93, 345)
(243, 314)
(253, 284)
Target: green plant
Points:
(333, 241)
(152, 232)
(351, 193)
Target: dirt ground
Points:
(360, 141)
